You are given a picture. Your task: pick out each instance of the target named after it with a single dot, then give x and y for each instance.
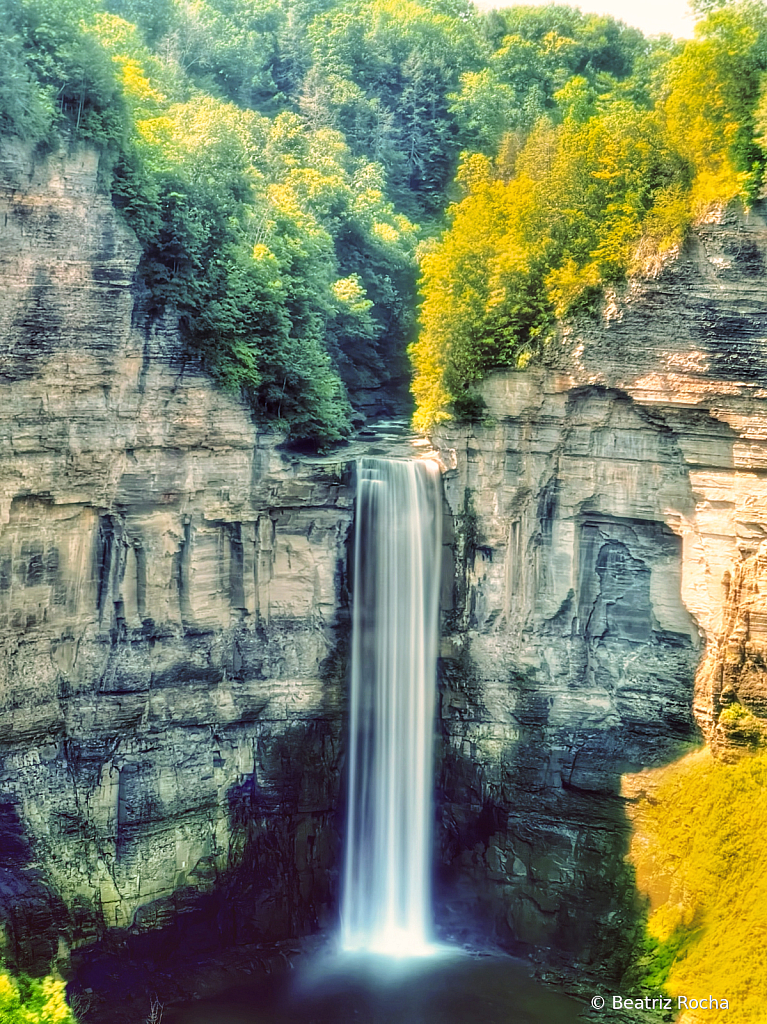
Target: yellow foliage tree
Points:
(606, 191)
(526, 248)
(33, 1001)
(708, 111)
(476, 283)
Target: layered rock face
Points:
(610, 514)
(731, 686)
(173, 606)
(172, 610)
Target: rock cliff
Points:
(610, 512)
(172, 610)
(173, 605)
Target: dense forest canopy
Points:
(605, 182)
(291, 166)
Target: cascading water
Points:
(386, 900)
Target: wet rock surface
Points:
(568, 658)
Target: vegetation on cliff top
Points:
(276, 157)
(604, 183)
(273, 238)
(700, 850)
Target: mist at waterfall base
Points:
(455, 988)
(387, 966)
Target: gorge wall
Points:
(611, 514)
(172, 612)
(174, 607)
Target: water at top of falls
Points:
(386, 899)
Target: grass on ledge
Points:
(700, 853)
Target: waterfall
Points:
(386, 899)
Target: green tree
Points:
(405, 59)
(66, 78)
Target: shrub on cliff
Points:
(25, 1000)
(277, 248)
(741, 727)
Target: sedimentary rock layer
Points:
(610, 513)
(172, 607)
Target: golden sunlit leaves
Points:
(523, 251)
(610, 189)
(137, 86)
(32, 1001)
(477, 284)
(708, 109)
(350, 291)
(700, 850)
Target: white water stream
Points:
(386, 899)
